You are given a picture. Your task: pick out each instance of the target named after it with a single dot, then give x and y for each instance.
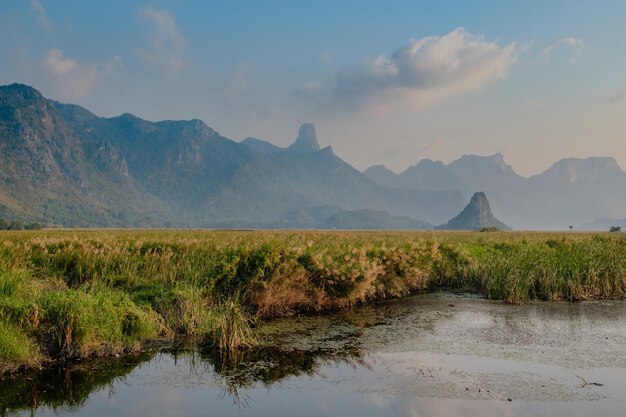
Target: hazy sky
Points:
(384, 82)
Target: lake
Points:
(431, 355)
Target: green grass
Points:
(16, 348)
(75, 294)
(77, 324)
(229, 325)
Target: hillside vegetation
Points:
(77, 294)
(64, 166)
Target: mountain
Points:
(427, 174)
(491, 172)
(367, 219)
(382, 175)
(475, 216)
(592, 170)
(262, 146)
(61, 164)
(310, 217)
(468, 173)
(334, 217)
(48, 173)
(328, 179)
(306, 140)
(570, 192)
(603, 224)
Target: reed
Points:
(69, 294)
(230, 325)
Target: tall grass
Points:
(71, 294)
(230, 325)
(16, 348)
(78, 324)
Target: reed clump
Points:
(73, 294)
(230, 325)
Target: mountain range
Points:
(570, 192)
(62, 165)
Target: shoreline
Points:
(67, 295)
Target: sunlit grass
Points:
(77, 293)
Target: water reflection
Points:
(269, 365)
(63, 386)
(423, 356)
(71, 385)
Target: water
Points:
(424, 356)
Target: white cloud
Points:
(40, 14)
(72, 79)
(166, 42)
(425, 70)
(575, 44)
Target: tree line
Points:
(18, 225)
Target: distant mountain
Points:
(334, 217)
(262, 146)
(60, 164)
(306, 140)
(310, 217)
(427, 174)
(384, 176)
(591, 170)
(330, 180)
(603, 225)
(372, 220)
(573, 191)
(491, 171)
(570, 192)
(475, 216)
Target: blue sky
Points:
(384, 82)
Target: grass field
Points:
(76, 294)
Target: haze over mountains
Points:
(571, 192)
(62, 165)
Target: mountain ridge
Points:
(126, 171)
(570, 191)
(64, 165)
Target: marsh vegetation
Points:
(66, 295)
(433, 350)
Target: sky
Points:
(384, 82)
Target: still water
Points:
(437, 355)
